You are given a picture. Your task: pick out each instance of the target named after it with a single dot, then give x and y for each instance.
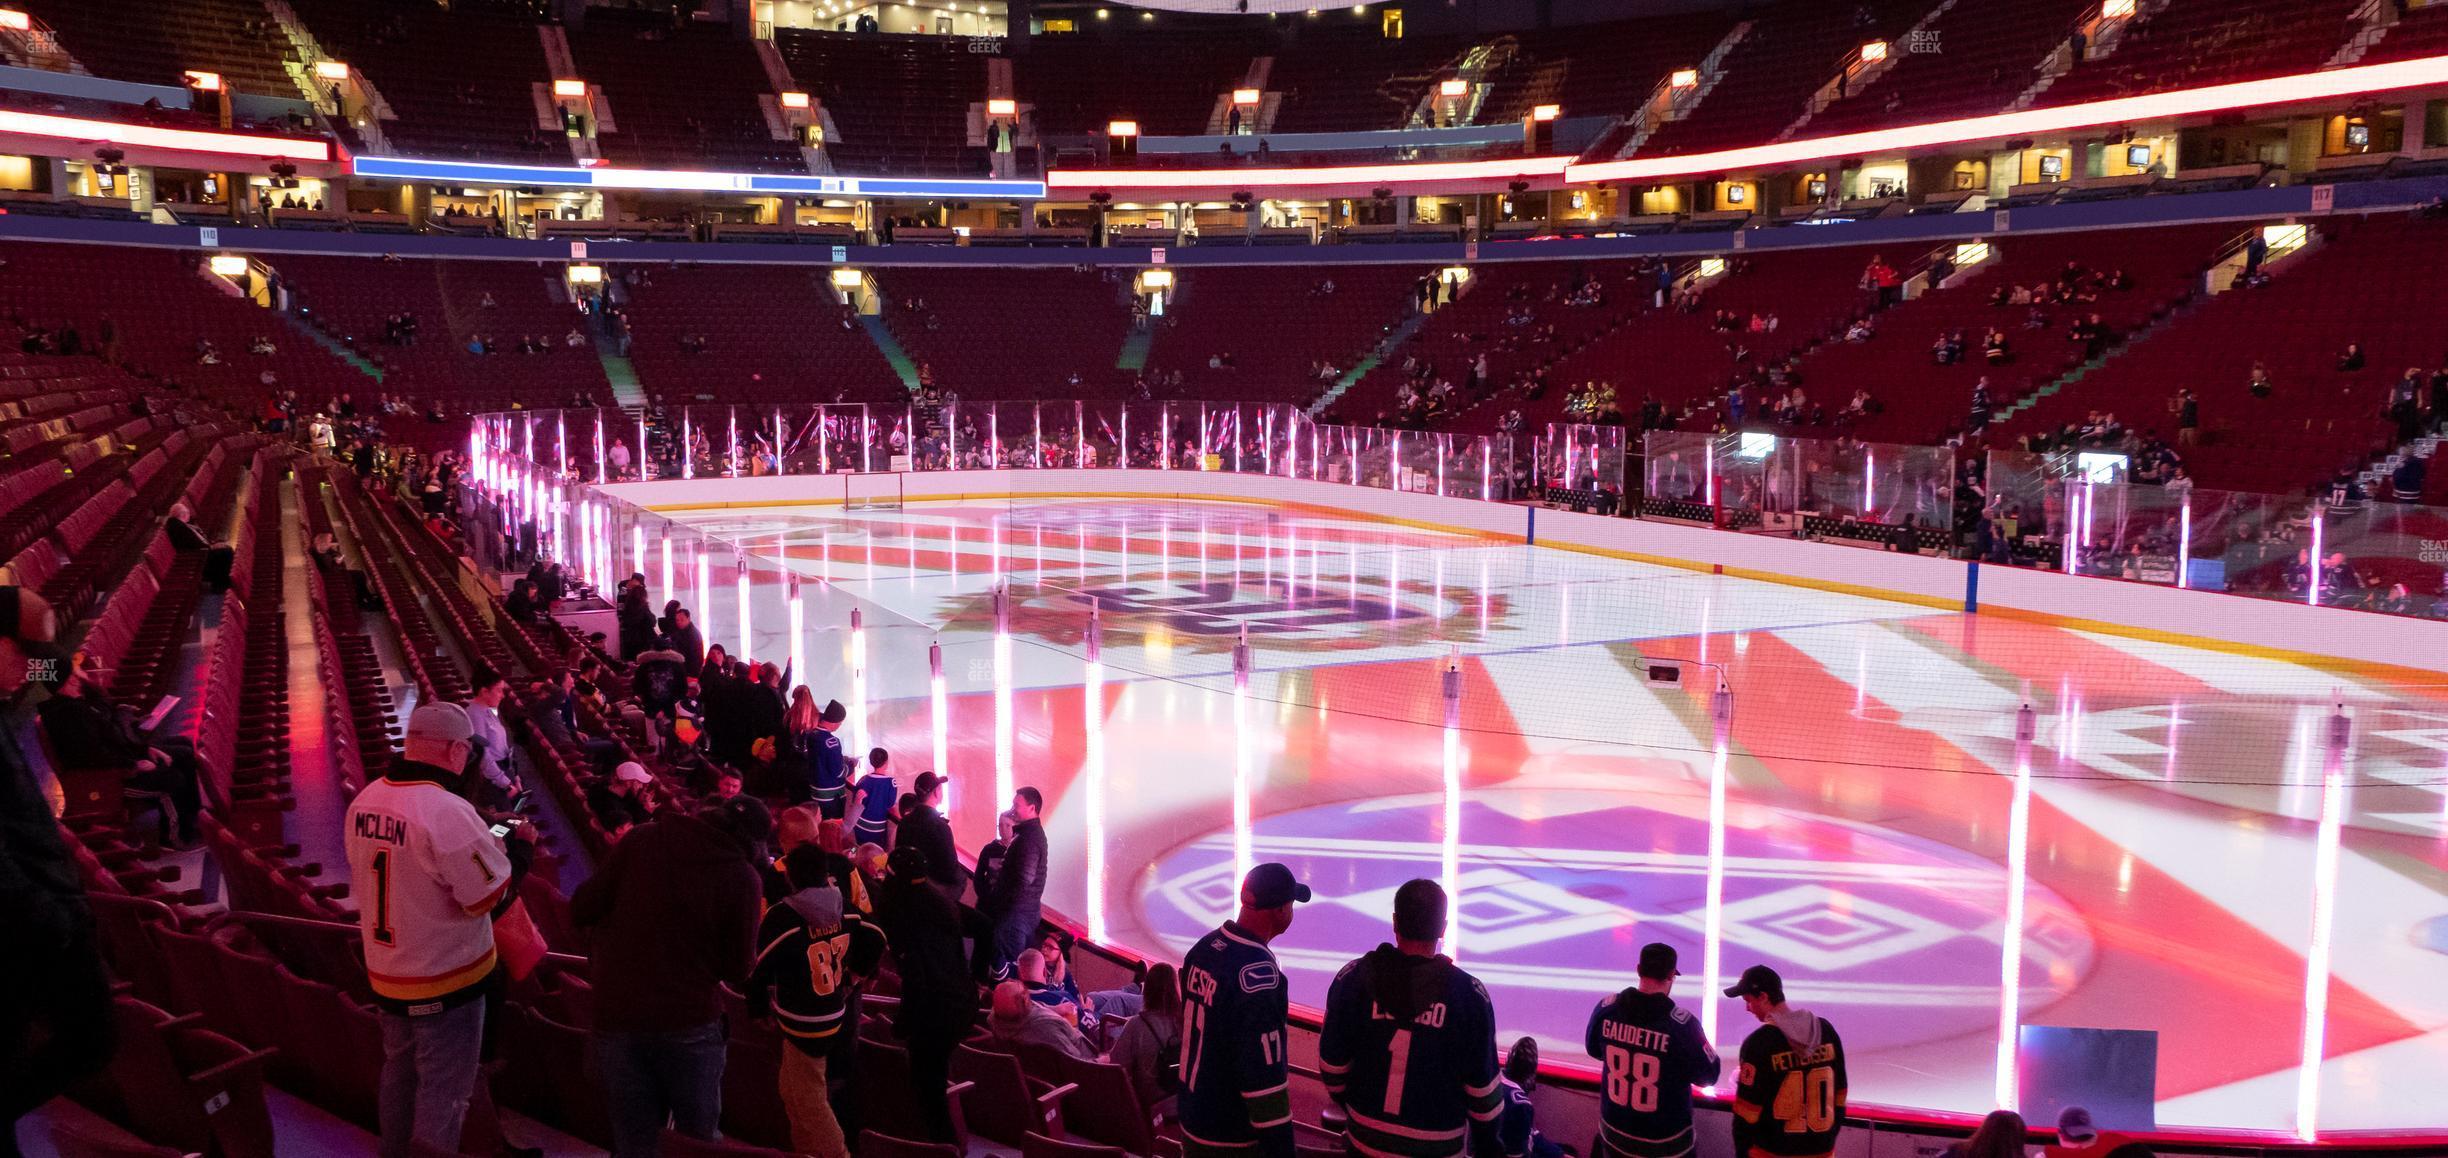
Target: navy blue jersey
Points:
(1234, 1088)
(1651, 1053)
(1409, 1051)
(828, 772)
(1517, 1132)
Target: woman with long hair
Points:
(1150, 1046)
(2001, 1135)
(795, 750)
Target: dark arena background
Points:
(1224, 578)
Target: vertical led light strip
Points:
(1869, 482)
(939, 719)
(1243, 855)
(1449, 835)
(602, 468)
(1002, 693)
(637, 548)
(741, 565)
(1094, 711)
(705, 591)
(666, 588)
(2018, 876)
(2324, 918)
(2184, 542)
(645, 461)
(2312, 581)
(778, 471)
(1712, 926)
(859, 741)
(2073, 514)
(798, 633)
(688, 446)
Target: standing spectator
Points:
(990, 857)
(828, 772)
(814, 953)
(636, 617)
(2188, 418)
(1019, 885)
(923, 825)
(1790, 1099)
(1018, 1021)
(687, 640)
(1652, 1054)
(436, 874)
(1149, 1049)
(938, 998)
(492, 754)
(672, 915)
(1235, 1094)
(1409, 1046)
(876, 798)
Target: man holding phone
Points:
(429, 875)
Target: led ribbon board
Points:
(2280, 90)
(696, 180)
(86, 131)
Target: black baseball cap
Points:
(1657, 961)
(928, 782)
(1272, 886)
(1758, 979)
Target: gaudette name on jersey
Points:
(1638, 1037)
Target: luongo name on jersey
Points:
(1409, 1050)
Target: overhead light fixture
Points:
(586, 275)
(331, 70)
(1156, 279)
(1874, 52)
(794, 100)
(1245, 96)
(569, 89)
(848, 279)
(228, 265)
(1684, 78)
(1122, 128)
(2117, 9)
(203, 81)
(15, 21)
(1002, 107)
(1546, 112)
(1453, 88)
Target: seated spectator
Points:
(1517, 1132)
(2260, 384)
(620, 801)
(1994, 348)
(2078, 1138)
(1149, 1049)
(1019, 1021)
(2001, 1135)
(2352, 359)
(87, 729)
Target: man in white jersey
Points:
(428, 874)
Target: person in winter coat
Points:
(672, 918)
(938, 999)
(1016, 903)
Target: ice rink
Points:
(1865, 819)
